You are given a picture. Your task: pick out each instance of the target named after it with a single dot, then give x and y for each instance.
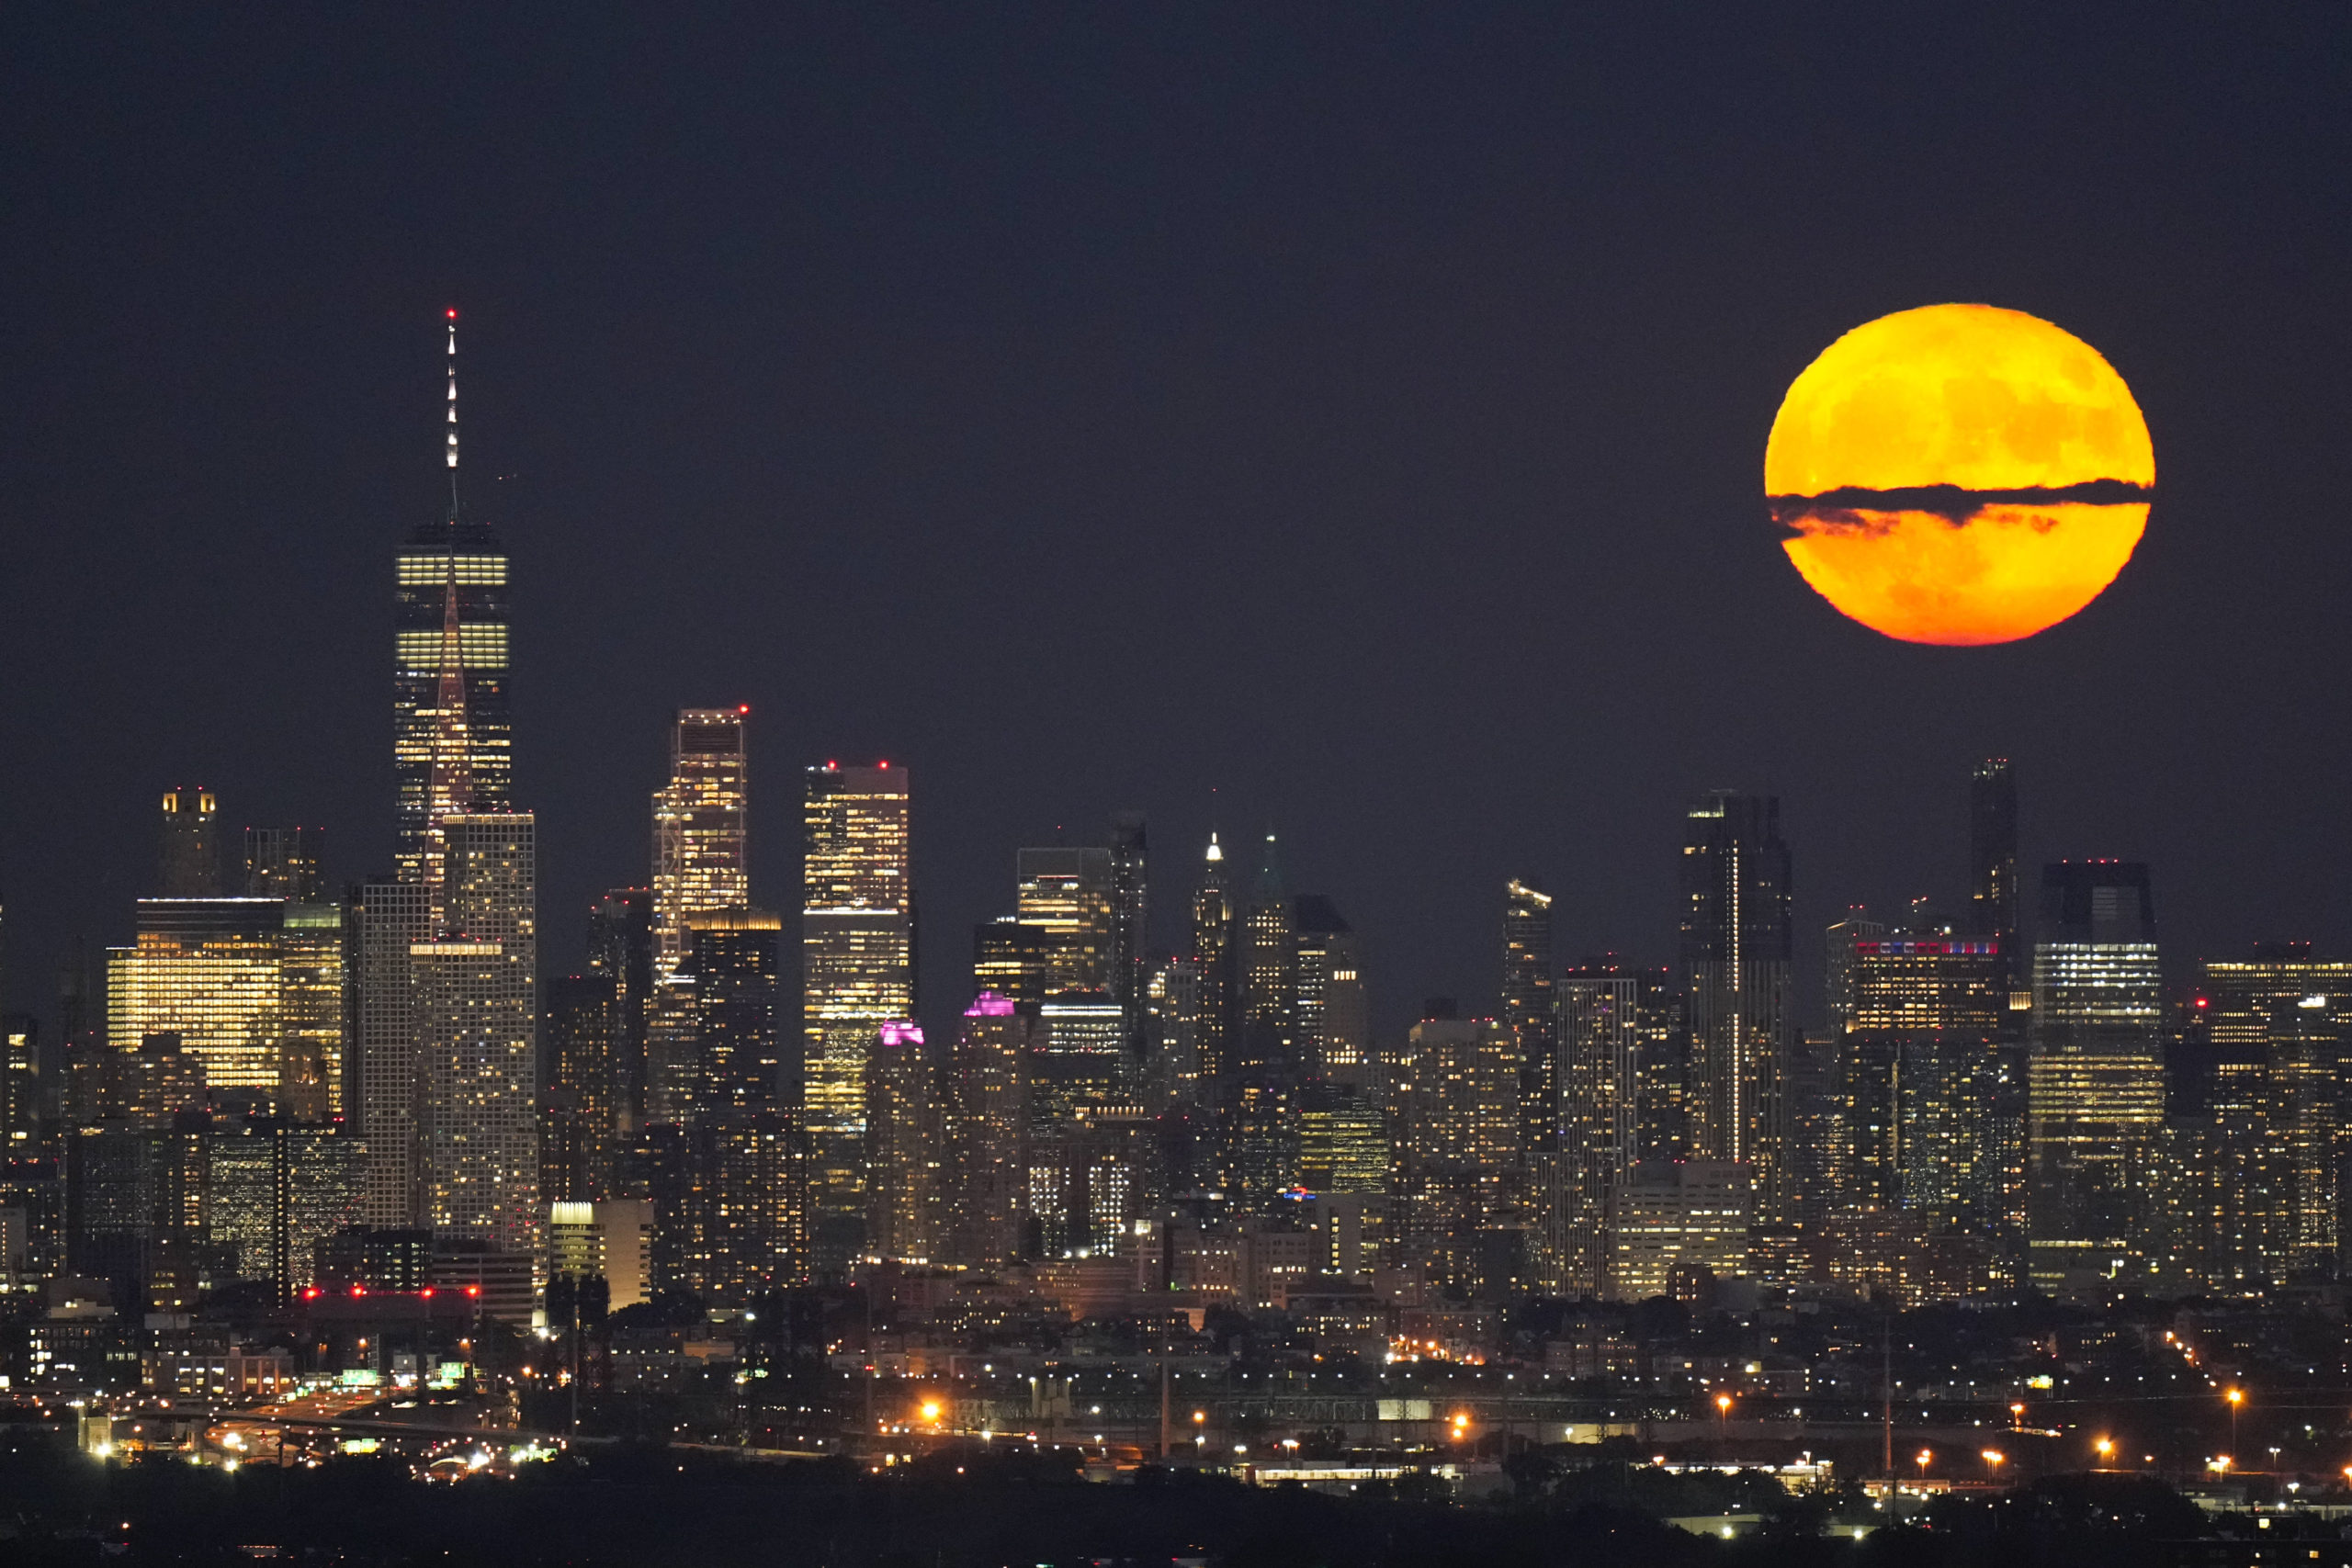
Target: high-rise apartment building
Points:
(1664, 1064)
(857, 965)
(1916, 1069)
(1735, 962)
(2269, 1186)
(2096, 1083)
(1173, 1067)
(579, 1117)
(453, 734)
(1457, 1126)
(189, 859)
(475, 1022)
(1671, 1221)
(1527, 1012)
(747, 1218)
(984, 1099)
(903, 1162)
(1599, 1009)
(392, 918)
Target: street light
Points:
(1993, 1458)
(1925, 1456)
(2017, 1418)
(2237, 1397)
(2106, 1447)
(1723, 1412)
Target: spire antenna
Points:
(452, 447)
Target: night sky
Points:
(1355, 410)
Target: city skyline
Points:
(1204, 785)
(1454, 489)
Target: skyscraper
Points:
(1852, 927)
(731, 955)
(1527, 1012)
(985, 1100)
(476, 1020)
(313, 1067)
(1735, 962)
(1173, 1070)
(620, 944)
(1457, 1149)
(2096, 1079)
(283, 863)
(453, 737)
(857, 967)
(1066, 896)
(700, 827)
(1993, 860)
(1259, 1111)
(1010, 957)
(189, 858)
(393, 919)
(1916, 1068)
(579, 1137)
(1599, 1013)
(2278, 1023)
(903, 1164)
(699, 842)
(748, 1216)
(1215, 985)
(210, 972)
(1130, 926)
(1268, 966)
(1334, 1030)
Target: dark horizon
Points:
(1360, 421)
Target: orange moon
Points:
(1960, 474)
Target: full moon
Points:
(1960, 474)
